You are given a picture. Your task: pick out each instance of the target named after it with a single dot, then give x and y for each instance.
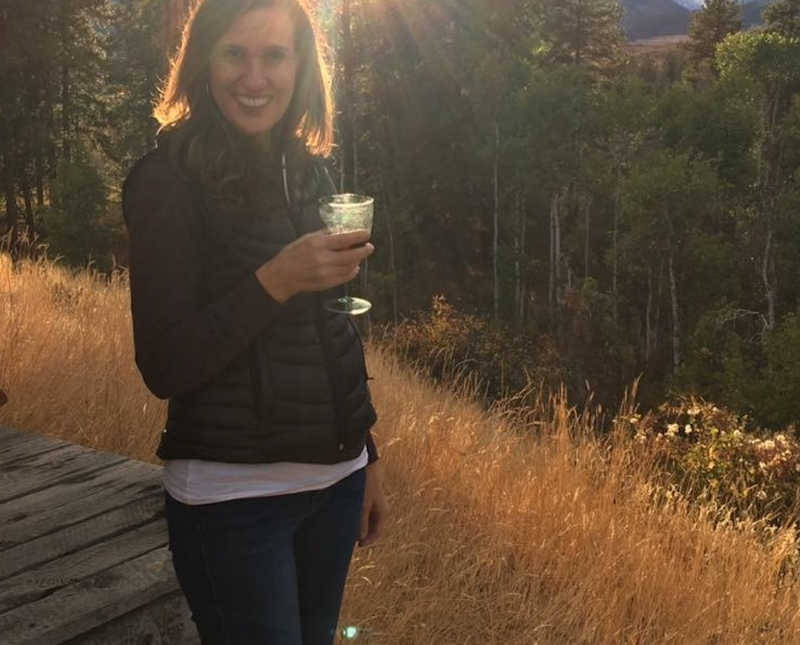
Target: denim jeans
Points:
(267, 570)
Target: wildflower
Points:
(768, 444)
(672, 429)
(780, 438)
(737, 434)
(688, 428)
(797, 468)
(693, 412)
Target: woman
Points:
(270, 470)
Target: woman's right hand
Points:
(314, 262)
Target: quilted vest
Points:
(299, 393)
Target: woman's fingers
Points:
(315, 262)
(340, 241)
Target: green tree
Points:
(709, 27)
(136, 61)
(582, 32)
(783, 17)
(74, 218)
(768, 65)
(663, 200)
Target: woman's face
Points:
(252, 69)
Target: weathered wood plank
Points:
(80, 535)
(7, 432)
(167, 621)
(28, 444)
(76, 498)
(46, 578)
(80, 607)
(31, 473)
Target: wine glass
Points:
(343, 213)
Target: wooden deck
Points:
(83, 548)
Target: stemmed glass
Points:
(344, 213)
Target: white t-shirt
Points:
(196, 481)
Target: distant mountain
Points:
(752, 12)
(650, 18)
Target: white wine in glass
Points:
(344, 213)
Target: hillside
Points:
(648, 18)
(503, 528)
(651, 18)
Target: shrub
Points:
(451, 345)
(710, 454)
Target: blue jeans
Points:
(267, 570)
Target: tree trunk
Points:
(521, 313)
(520, 263)
(39, 177)
(659, 300)
(555, 251)
(496, 220)
(51, 136)
(648, 340)
(767, 273)
(66, 98)
(26, 196)
(587, 214)
(387, 218)
(676, 324)
(348, 105)
(615, 251)
(551, 285)
(12, 212)
(517, 256)
(775, 105)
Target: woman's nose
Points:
(256, 75)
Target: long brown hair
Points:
(185, 98)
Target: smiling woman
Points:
(271, 473)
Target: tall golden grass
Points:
(505, 528)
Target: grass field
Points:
(506, 528)
(657, 46)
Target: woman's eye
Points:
(234, 53)
(274, 55)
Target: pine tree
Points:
(582, 32)
(783, 17)
(708, 28)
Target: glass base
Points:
(348, 305)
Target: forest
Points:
(549, 207)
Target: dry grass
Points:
(504, 529)
(656, 46)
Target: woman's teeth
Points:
(252, 101)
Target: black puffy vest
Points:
(299, 393)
